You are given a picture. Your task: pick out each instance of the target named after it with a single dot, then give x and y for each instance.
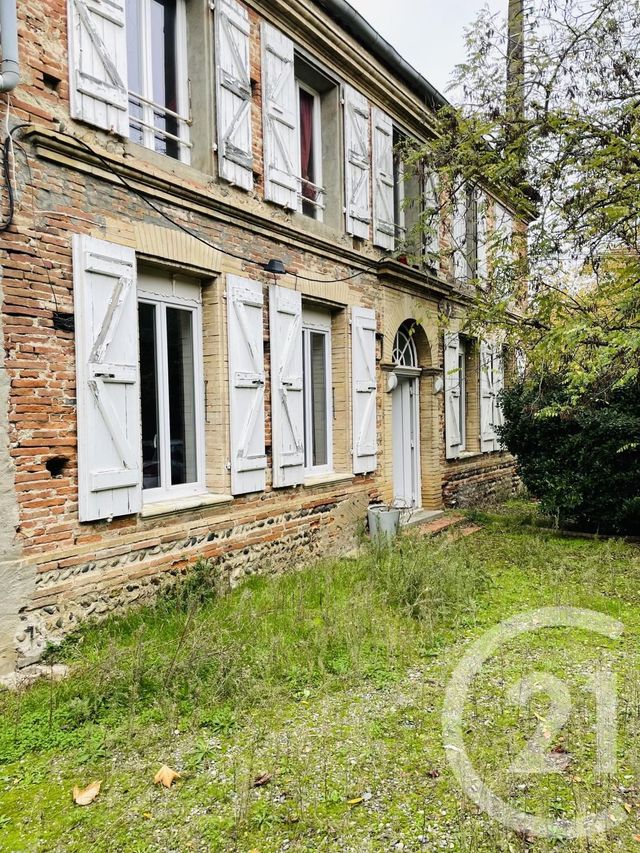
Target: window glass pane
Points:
(319, 402)
(149, 396)
(307, 152)
(182, 415)
(134, 67)
(463, 391)
(163, 60)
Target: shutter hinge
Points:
(227, 464)
(212, 4)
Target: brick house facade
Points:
(162, 396)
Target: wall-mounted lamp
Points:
(276, 267)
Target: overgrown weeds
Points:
(200, 657)
(433, 582)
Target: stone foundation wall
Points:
(123, 576)
(492, 479)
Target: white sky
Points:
(427, 33)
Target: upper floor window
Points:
(465, 233)
(318, 136)
(312, 192)
(157, 76)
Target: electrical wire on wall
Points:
(9, 167)
(9, 185)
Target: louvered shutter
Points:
(357, 162)
(287, 400)
(481, 206)
(364, 386)
(280, 119)
(246, 385)
(107, 379)
(432, 207)
(460, 262)
(98, 64)
(453, 428)
(233, 94)
(383, 209)
(487, 398)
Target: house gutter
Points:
(10, 73)
(353, 22)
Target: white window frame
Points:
(318, 322)
(183, 116)
(320, 203)
(399, 188)
(175, 292)
(462, 400)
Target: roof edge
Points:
(357, 26)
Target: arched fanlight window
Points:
(404, 348)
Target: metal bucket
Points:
(384, 522)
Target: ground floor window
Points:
(316, 355)
(462, 393)
(169, 322)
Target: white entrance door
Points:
(406, 443)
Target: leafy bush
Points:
(581, 459)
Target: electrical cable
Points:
(8, 173)
(107, 165)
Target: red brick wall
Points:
(88, 569)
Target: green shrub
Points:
(580, 459)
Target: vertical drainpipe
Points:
(10, 74)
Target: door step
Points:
(416, 517)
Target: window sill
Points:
(153, 510)
(326, 480)
(470, 454)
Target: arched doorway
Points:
(405, 427)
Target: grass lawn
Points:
(332, 680)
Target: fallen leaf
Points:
(636, 837)
(166, 776)
(433, 773)
(627, 808)
(355, 801)
(85, 796)
(262, 779)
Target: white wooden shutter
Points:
(357, 162)
(481, 205)
(384, 230)
(280, 118)
(453, 427)
(107, 379)
(460, 261)
(246, 385)
(364, 386)
(498, 385)
(432, 206)
(287, 400)
(98, 64)
(233, 93)
(487, 398)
